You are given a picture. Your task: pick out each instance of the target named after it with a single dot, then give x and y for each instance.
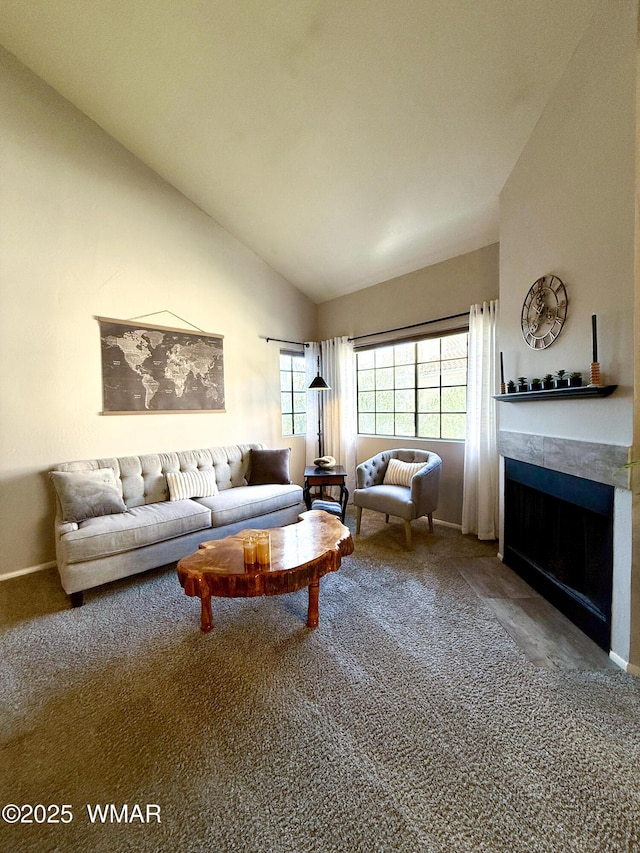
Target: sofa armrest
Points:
(61, 527)
(425, 486)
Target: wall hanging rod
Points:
(412, 326)
(280, 341)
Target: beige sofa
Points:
(117, 516)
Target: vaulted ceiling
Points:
(344, 141)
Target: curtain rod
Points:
(280, 341)
(412, 326)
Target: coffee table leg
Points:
(206, 617)
(312, 612)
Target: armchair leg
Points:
(407, 533)
(76, 599)
(358, 518)
(430, 517)
(386, 519)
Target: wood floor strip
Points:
(490, 578)
(542, 632)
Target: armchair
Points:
(405, 494)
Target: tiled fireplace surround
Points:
(601, 463)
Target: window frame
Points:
(415, 407)
(292, 391)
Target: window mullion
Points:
(415, 390)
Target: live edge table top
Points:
(300, 555)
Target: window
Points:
(293, 393)
(416, 389)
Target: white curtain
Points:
(311, 354)
(340, 434)
(480, 498)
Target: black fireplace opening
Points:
(558, 536)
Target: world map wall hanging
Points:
(152, 369)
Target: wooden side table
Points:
(322, 477)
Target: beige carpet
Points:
(410, 720)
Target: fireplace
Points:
(558, 536)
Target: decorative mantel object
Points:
(564, 385)
(544, 312)
(154, 369)
(595, 364)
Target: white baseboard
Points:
(629, 668)
(447, 524)
(618, 661)
(28, 571)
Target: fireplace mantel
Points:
(603, 463)
(581, 391)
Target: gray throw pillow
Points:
(269, 466)
(87, 494)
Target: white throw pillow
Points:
(191, 484)
(399, 473)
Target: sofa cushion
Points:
(191, 484)
(139, 526)
(269, 466)
(244, 502)
(87, 494)
(392, 500)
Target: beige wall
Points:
(87, 230)
(635, 479)
(437, 291)
(568, 208)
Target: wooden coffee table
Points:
(300, 555)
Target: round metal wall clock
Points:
(544, 311)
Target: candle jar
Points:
(263, 549)
(249, 547)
